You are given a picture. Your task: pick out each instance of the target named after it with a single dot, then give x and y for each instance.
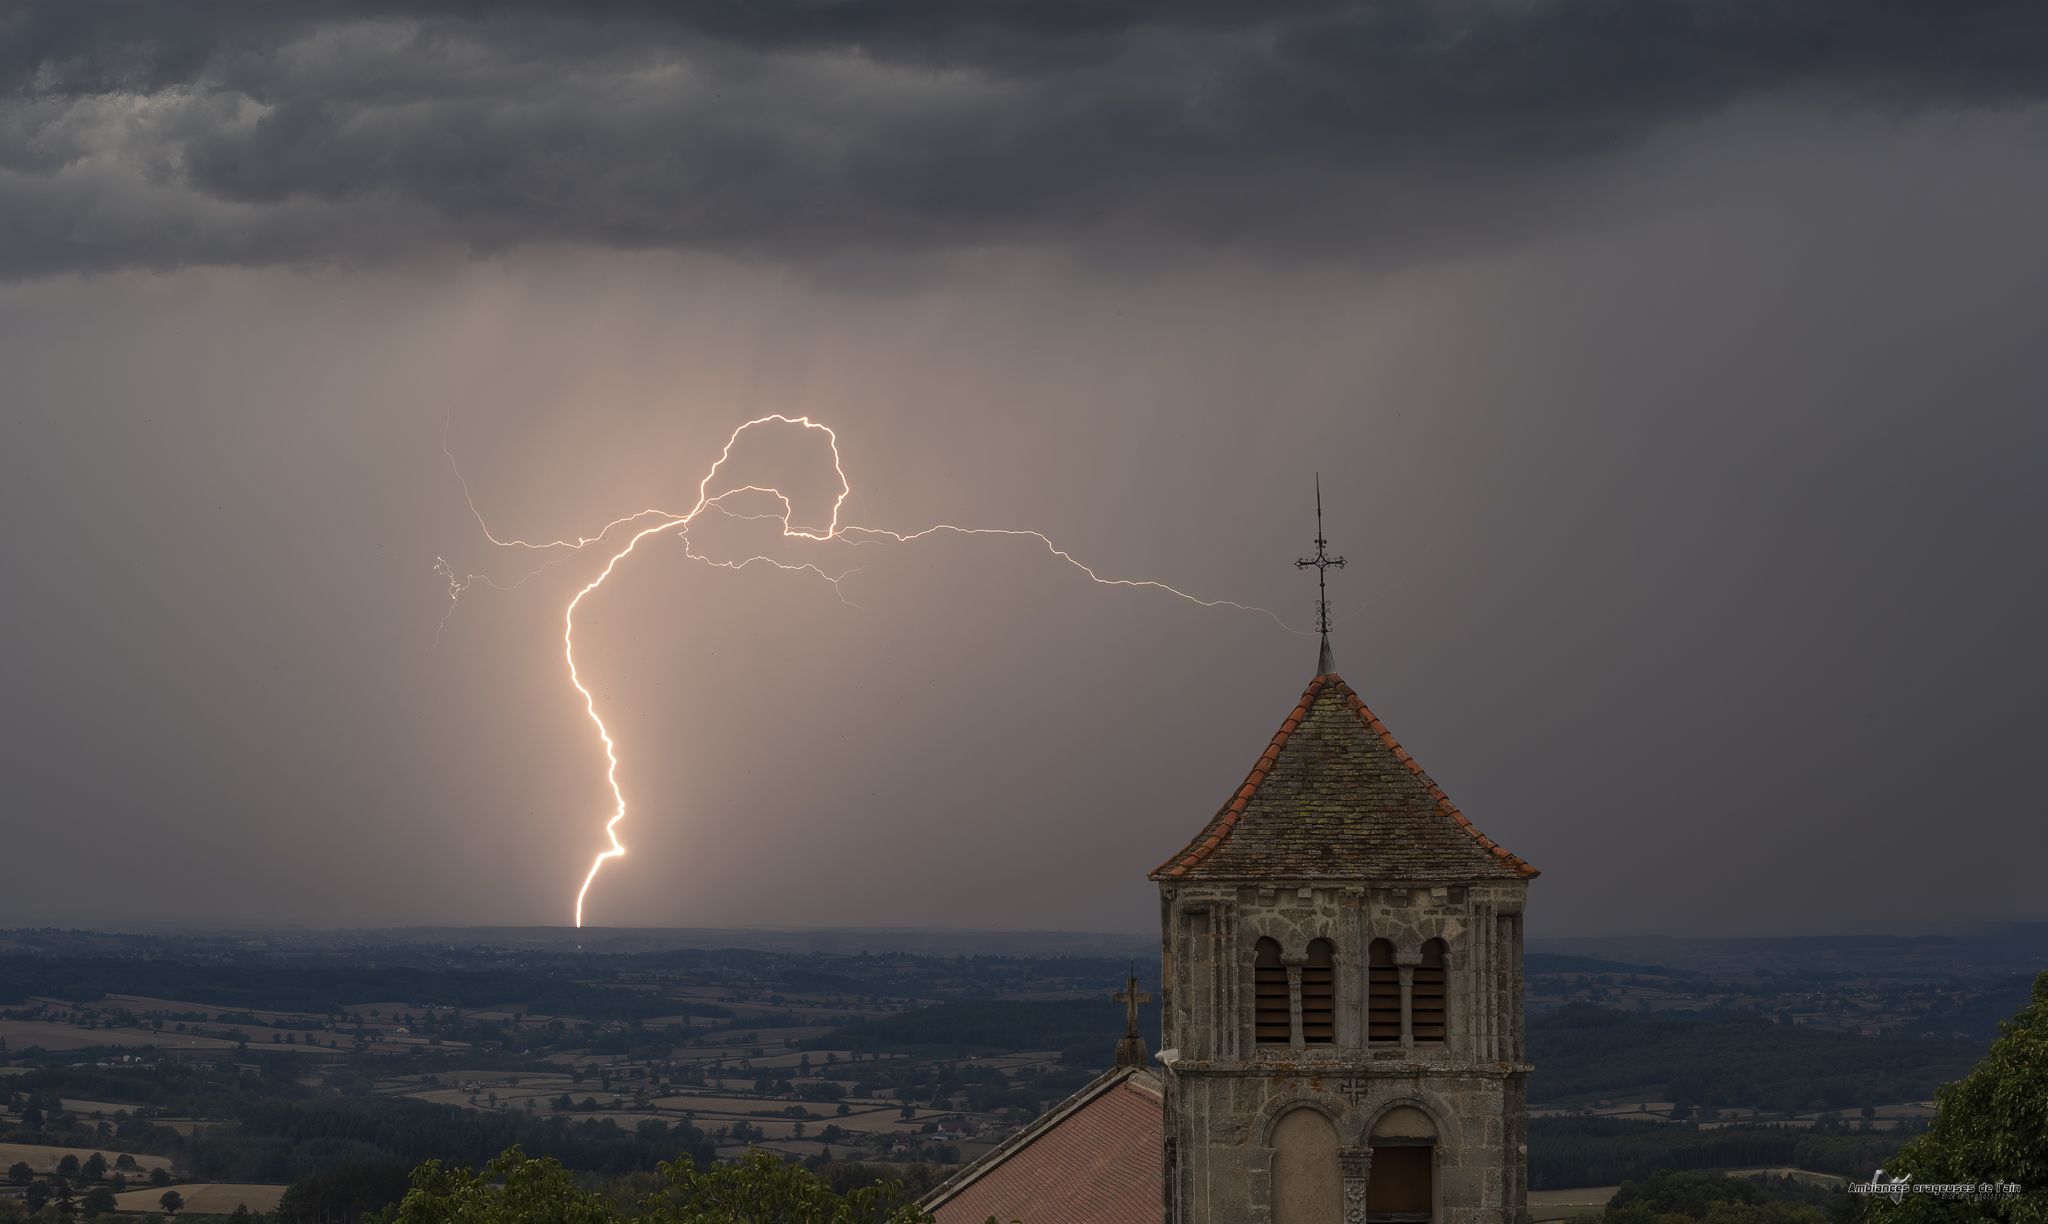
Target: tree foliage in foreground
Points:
(1992, 1126)
(1667, 1197)
(760, 1189)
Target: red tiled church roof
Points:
(1095, 1159)
(1335, 797)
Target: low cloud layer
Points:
(165, 136)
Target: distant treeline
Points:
(280, 1132)
(1731, 1059)
(280, 1141)
(1534, 963)
(1569, 1152)
(328, 991)
(811, 982)
(997, 1026)
(986, 1088)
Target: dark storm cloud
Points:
(164, 135)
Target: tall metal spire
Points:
(1322, 561)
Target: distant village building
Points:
(1342, 970)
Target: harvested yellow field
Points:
(1549, 1205)
(92, 1107)
(44, 1159)
(207, 1198)
(56, 1035)
(873, 1124)
(384, 1008)
(742, 1105)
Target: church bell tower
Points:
(1342, 978)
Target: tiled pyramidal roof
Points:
(1335, 798)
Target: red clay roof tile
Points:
(1100, 1164)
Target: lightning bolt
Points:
(707, 501)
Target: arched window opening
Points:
(1427, 998)
(1272, 1018)
(1319, 994)
(1383, 993)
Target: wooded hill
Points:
(1088, 1027)
(325, 991)
(1570, 1152)
(1727, 1059)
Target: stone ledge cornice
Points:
(1388, 1069)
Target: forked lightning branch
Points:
(637, 527)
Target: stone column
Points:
(1294, 1005)
(1407, 962)
(1224, 1027)
(1485, 998)
(1512, 986)
(1356, 1166)
(1175, 945)
(1351, 969)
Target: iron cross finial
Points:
(1322, 561)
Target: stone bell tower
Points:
(1342, 993)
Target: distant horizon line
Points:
(160, 926)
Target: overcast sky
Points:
(1675, 373)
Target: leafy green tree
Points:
(172, 1202)
(36, 1195)
(157, 1177)
(1991, 1126)
(762, 1188)
(525, 1189)
(68, 1167)
(1671, 1197)
(20, 1174)
(759, 1189)
(98, 1201)
(95, 1167)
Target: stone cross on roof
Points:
(1130, 998)
(1131, 1052)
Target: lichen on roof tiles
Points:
(1335, 797)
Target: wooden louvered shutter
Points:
(1319, 995)
(1272, 1019)
(1383, 994)
(1427, 998)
